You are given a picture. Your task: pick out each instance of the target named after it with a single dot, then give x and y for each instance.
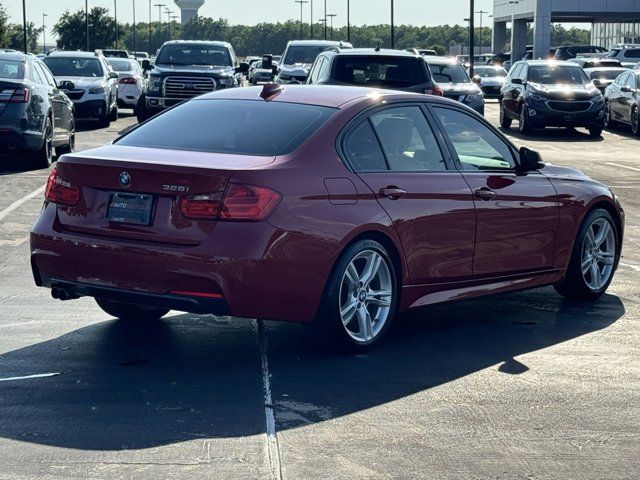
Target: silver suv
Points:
(298, 57)
(89, 81)
(628, 55)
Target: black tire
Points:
(596, 132)
(524, 124)
(608, 121)
(635, 121)
(130, 311)
(43, 157)
(105, 121)
(71, 146)
(113, 115)
(328, 326)
(142, 114)
(574, 286)
(505, 122)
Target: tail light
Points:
(436, 90)
(19, 95)
(239, 203)
(60, 192)
(129, 80)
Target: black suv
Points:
(566, 52)
(185, 69)
(368, 67)
(540, 93)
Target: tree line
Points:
(11, 33)
(258, 39)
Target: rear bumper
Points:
(14, 139)
(183, 303)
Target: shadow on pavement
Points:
(553, 135)
(129, 386)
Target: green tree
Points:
(4, 26)
(15, 37)
(71, 30)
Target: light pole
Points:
(471, 34)
(393, 29)
(348, 20)
(301, 2)
(115, 19)
(325, 19)
(149, 42)
(173, 19)
(481, 12)
(331, 16)
(311, 21)
(44, 34)
(135, 42)
(168, 12)
(86, 21)
(159, 5)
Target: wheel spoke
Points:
(371, 268)
(348, 311)
(586, 264)
(364, 323)
(595, 276)
(607, 258)
(590, 238)
(602, 234)
(352, 276)
(381, 298)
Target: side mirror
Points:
(66, 85)
(274, 69)
(113, 75)
(476, 79)
(517, 81)
(530, 160)
(146, 64)
(627, 89)
(242, 68)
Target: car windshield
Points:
(120, 65)
(613, 52)
(606, 74)
(378, 71)
(299, 54)
(557, 74)
(74, 67)
(488, 72)
(13, 69)
(221, 126)
(185, 54)
(449, 73)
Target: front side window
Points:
(631, 80)
(477, 146)
(407, 140)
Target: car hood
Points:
(459, 88)
(205, 70)
(563, 173)
(298, 70)
(82, 82)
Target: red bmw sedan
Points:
(337, 206)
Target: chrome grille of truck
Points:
(187, 87)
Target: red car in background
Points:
(347, 206)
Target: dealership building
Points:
(612, 22)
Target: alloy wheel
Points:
(598, 254)
(607, 115)
(366, 292)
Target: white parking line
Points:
(623, 166)
(273, 449)
(17, 203)
(26, 377)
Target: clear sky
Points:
(250, 12)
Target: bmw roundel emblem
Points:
(125, 178)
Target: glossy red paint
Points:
(448, 243)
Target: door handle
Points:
(392, 192)
(485, 193)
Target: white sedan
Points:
(131, 81)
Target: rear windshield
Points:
(606, 74)
(11, 69)
(120, 65)
(488, 72)
(74, 67)
(185, 54)
(379, 71)
(243, 127)
(301, 54)
(449, 73)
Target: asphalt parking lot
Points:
(518, 386)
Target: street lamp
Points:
(44, 34)
(325, 19)
(393, 30)
(135, 42)
(301, 2)
(159, 5)
(311, 21)
(331, 16)
(168, 12)
(24, 25)
(481, 12)
(86, 21)
(471, 39)
(149, 42)
(348, 20)
(173, 19)
(115, 20)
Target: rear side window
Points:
(632, 53)
(363, 150)
(243, 127)
(378, 71)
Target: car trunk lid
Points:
(152, 181)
